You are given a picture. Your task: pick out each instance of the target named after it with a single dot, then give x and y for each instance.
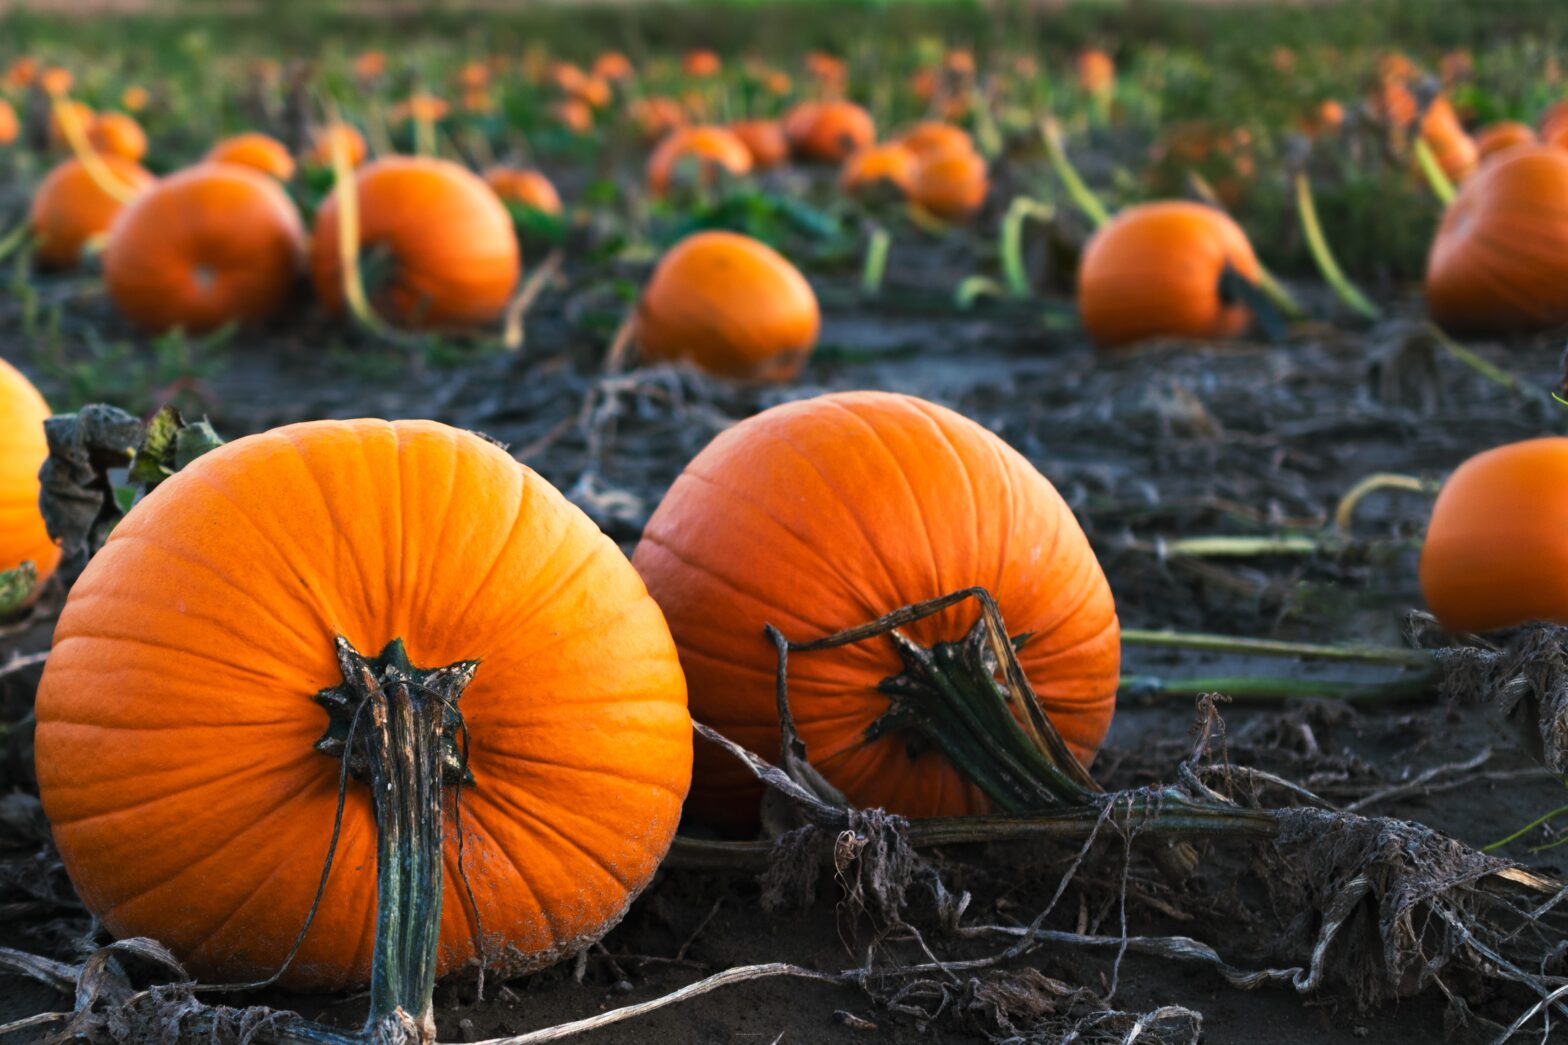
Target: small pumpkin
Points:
(56, 80)
(1499, 261)
(10, 125)
(527, 187)
(699, 152)
(1096, 71)
(453, 254)
(209, 245)
(827, 513)
(322, 143)
(574, 114)
(116, 134)
(185, 718)
(257, 151)
(369, 66)
(23, 451)
(1324, 119)
(729, 305)
(701, 64)
(1495, 555)
(765, 140)
(613, 66)
(1504, 134)
(930, 137)
(952, 184)
(1155, 270)
(70, 208)
(135, 98)
(656, 116)
(1455, 151)
(830, 131)
(873, 169)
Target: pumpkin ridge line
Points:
(288, 435)
(498, 797)
(702, 567)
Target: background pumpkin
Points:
(253, 149)
(1154, 270)
(1495, 554)
(529, 188)
(176, 722)
(827, 513)
(321, 145)
(1504, 134)
(950, 183)
(209, 245)
(765, 140)
(829, 131)
(706, 149)
(730, 305)
(22, 452)
(116, 134)
(454, 253)
(1499, 261)
(892, 164)
(929, 137)
(70, 208)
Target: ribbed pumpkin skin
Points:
(205, 246)
(708, 148)
(175, 718)
(1495, 554)
(1499, 262)
(255, 150)
(22, 452)
(529, 188)
(456, 257)
(1494, 138)
(69, 209)
(1154, 271)
(827, 513)
(731, 306)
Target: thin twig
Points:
(517, 308)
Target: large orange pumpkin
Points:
(950, 183)
(706, 150)
(869, 169)
(930, 137)
(1495, 555)
(70, 208)
(116, 134)
(257, 151)
(178, 719)
(22, 452)
(829, 132)
(1499, 262)
(1155, 269)
(765, 140)
(827, 513)
(1504, 134)
(209, 245)
(527, 187)
(731, 306)
(454, 256)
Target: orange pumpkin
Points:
(257, 151)
(177, 730)
(701, 64)
(613, 66)
(729, 305)
(455, 257)
(21, 74)
(1499, 262)
(1393, 103)
(77, 115)
(765, 140)
(474, 76)
(827, 513)
(1554, 121)
(1455, 151)
(828, 70)
(933, 136)
(134, 98)
(70, 208)
(656, 116)
(1494, 555)
(951, 184)
(829, 132)
(1154, 270)
(116, 134)
(529, 188)
(10, 125)
(869, 170)
(369, 65)
(1327, 118)
(594, 92)
(55, 81)
(1096, 71)
(704, 150)
(209, 245)
(322, 141)
(1504, 134)
(574, 114)
(23, 451)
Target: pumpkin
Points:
(656, 116)
(828, 132)
(474, 76)
(951, 184)
(1393, 103)
(257, 151)
(873, 168)
(701, 64)
(777, 82)
(209, 245)
(1327, 118)
(729, 305)
(321, 145)
(56, 81)
(419, 107)
(23, 451)
(1096, 71)
(77, 115)
(574, 114)
(1494, 555)
(70, 208)
(177, 730)
(21, 74)
(10, 125)
(1504, 134)
(827, 513)
(455, 258)
(699, 151)
(1554, 120)
(1455, 151)
(529, 188)
(613, 66)
(933, 136)
(828, 70)
(765, 140)
(116, 134)
(134, 98)
(1155, 269)
(369, 65)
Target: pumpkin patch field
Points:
(785, 521)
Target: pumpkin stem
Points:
(92, 163)
(1011, 247)
(1082, 195)
(1441, 187)
(875, 265)
(1347, 292)
(411, 742)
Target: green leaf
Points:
(17, 587)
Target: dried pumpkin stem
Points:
(1266, 689)
(1082, 195)
(1345, 513)
(347, 190)
(1407, 658)
(1347, 292)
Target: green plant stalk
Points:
(1494, 374)
(1345, 513)
(1526, 829)
(972, 288)
(1011, 247)
(1442, 188)
(1347, 292)
(1409, 658)
(1258, 688)
(1224, 547)
(15, 239)
(1082, 195)
(874, 268)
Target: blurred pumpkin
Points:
(1554, 122)
(950, 184)
(1504, 134)
(959, 62)
(765, 140)
(697, 153)
(209, 245)
(872, 169)
(933, 136)
(473, 76)
(369, 65)
(55, 81)
(21, 74)
(1455, 151)
(701, 64)
(777, 82)
(10, 126)
(566, 76)
(454, 258)
(829, 71)
(574, 114)
(77, 115)
(1456, 66)
(321, 145)
(71, 207)
(1393, 103)
(828, 132)
(257, 151)
(656, 116)
(730, 306)
(613, 66)
(1096, 71)
(23, 450)
(526, 187)
(419, 107)
(134, 99)
(1326, 118)
(116, 134)
(1155, 270)
(828, 513)
(1499, 262)
(1495, 556)
(594, 91)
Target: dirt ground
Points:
(1171, 441)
